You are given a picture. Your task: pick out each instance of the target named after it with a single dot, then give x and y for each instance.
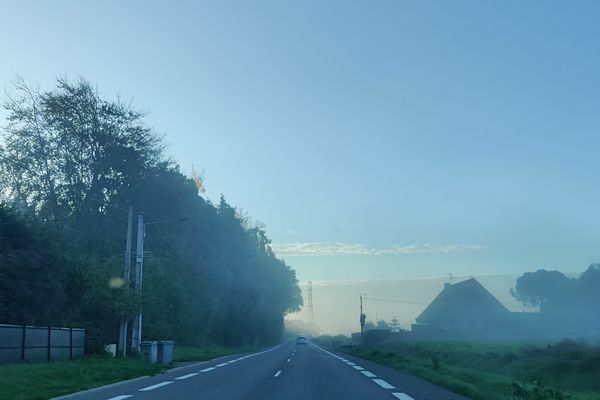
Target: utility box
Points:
(111, 349)
(149, 350)
(165, 352)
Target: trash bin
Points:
(149, 350)
(165, 351)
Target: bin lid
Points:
(148, 343)
(165, 342)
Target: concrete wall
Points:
(37, 343)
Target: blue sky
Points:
(376, 140)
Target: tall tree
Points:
(68, 151)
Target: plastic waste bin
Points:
(165, 352)
(149, 350)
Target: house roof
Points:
(462, 302)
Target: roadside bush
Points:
(537, 392)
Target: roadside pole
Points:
(363, 318)
(126, 278)
(136, 334)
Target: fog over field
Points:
(337, 303)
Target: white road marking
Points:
(207, 369)
(383, 384)
(402, 396)
(277, 373)
(155, 386)
(221, 365)
(121, 397)
(232, 361)
(288, 360)
(186, 376)
(350, 363)
(369, 374)
(358, 368)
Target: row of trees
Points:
(553, 291)
(71, 164)
(569, 303)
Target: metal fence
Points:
(19, 343)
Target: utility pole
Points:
(136, 334)
(363, 318)
(395, 324)
(311, 310)
(126, 279)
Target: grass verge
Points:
(194, 353)
(39, 381)
(497, 371)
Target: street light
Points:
(136, 334)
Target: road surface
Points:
(284, 372)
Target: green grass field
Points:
(497, 371)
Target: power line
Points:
(390, 300)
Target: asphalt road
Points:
(284, 372)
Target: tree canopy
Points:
(71, 164)
(568, 301)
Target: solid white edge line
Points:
(402, 396)
(383, 384)
(277, 373)
(125, 396)
(155, 386)
(207, 369)
(222, 364)
(186, 376)
(369, 374)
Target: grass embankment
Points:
(39, 381)
(497, 371)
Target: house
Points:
(463, 310)
(466, 310)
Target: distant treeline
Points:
(570, 304)
(71, 164)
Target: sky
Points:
(374, 140)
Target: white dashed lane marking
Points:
(383, 384)
(125, 396)
(207, 369)
(402, 396)
(380, 382)
(277, 373)
(179, 378)
(155, 386)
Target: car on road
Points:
(301, 339)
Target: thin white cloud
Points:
(348, 249)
